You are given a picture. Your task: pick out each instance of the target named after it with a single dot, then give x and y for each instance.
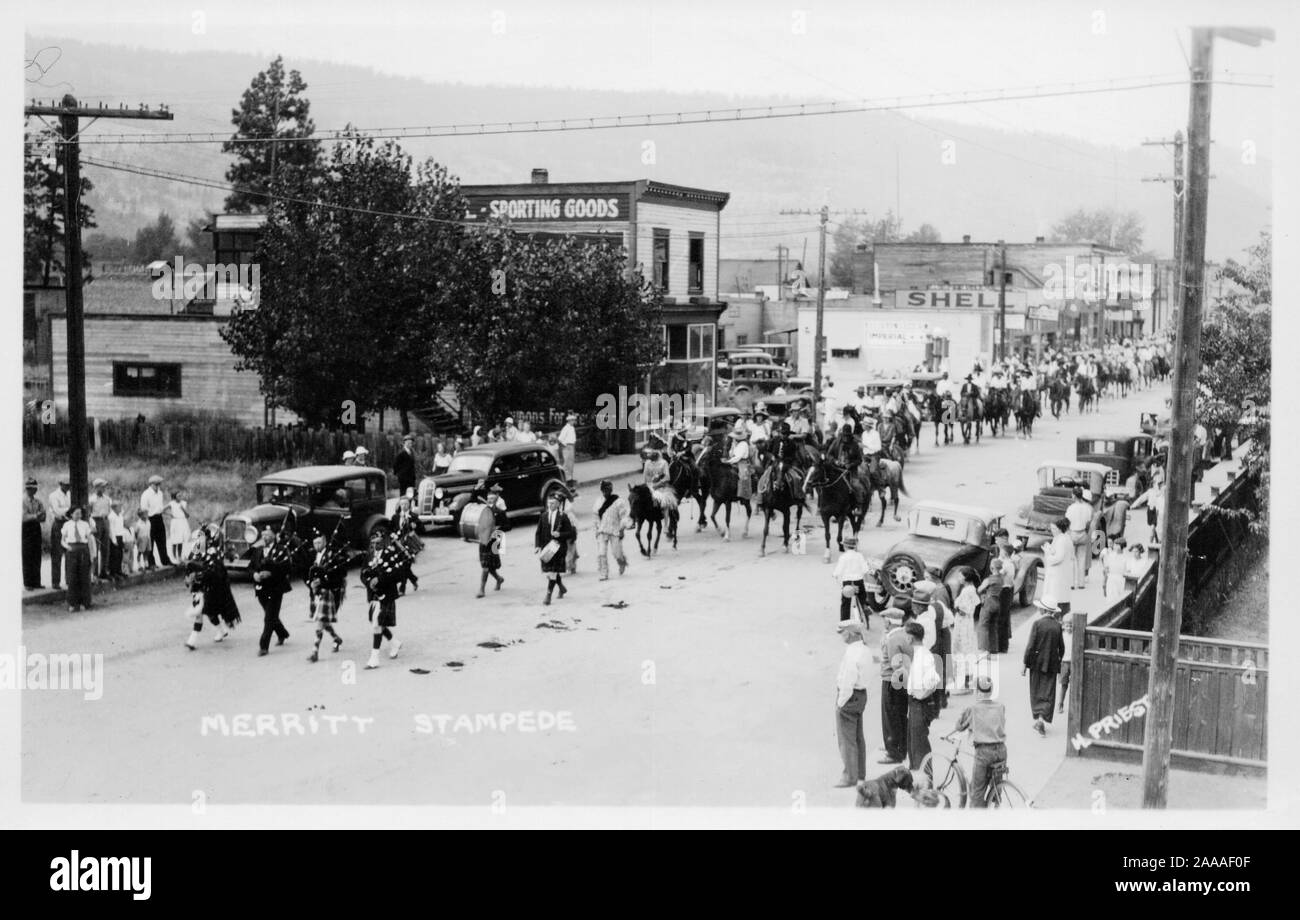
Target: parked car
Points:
(320, 496)
(1057, 480)
(527, 473)
(1124, 454)
(947, 537)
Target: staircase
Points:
(441, 416)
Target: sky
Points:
(805, 50)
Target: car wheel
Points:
(1029, 587)
(900, 573)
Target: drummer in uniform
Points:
(489, 552)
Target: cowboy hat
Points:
(739, 434)
(1047, 603)
(849, 625)
(155, 479)
(408, 437)
(922, 591)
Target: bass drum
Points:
(477, 523)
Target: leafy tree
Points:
(1104, 226)
(853, 236)
(272, 106)
(349, 303)
(532, 324)
(105, 248)
(156, 241)
(43, 199)
(845, 240)
(1236, 365)
(197, 244)
(926, 233)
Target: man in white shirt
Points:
(830, 401)
(922, 682)
(568, 441)
(153, 503)
(871, 446)
(850, 703)
(1079, 514)
(851, 570)
(943, 386)
(60, 504)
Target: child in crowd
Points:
(117, 537)
(142, 545)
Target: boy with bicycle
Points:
(987, 722)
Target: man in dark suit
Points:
(271, 563)
(1044, 651)
(404, 466)
(554, 525)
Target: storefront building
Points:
(669, 232)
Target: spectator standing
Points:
(78, 538)
(1057, 557)
(100, 506)
(1079, 514)
(568, 441)
(923, 682)
(850, 703)
(1113, 560)
(142, 547)
(33, 518)
(178, 526)
(118, 536)
(1044, 652)
(476, 436)
(441, 459)
(154, 503)
(851, 572)
(895, 663)
(60, 502)
(510, 433)
(404, 466)
(964, 651)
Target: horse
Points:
(723, 483)
(995, 410)
(651, 508)
(1027, 409)
(1059, 392)
(968, 414)
(879, 476)
(838, 499)
(1087, 394)
(943, 410)
(777, 492)
(895, 438)
(686, 481)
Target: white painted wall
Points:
(970, 336)
(679, 222)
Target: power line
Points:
(663, 119)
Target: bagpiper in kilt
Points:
(382, 575)
(489, 553)
(210, 593)
(327, 580)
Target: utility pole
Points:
(824, 214)
(69, 114)
(1002, 304)
(1158, 735)
(1178, 182)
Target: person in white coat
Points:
(1058, 563)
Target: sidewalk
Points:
(589, 473)
(51, 596)
(1094, 783)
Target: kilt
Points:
(387, 610)
(559, 563)
(325, 604)
(488, 558)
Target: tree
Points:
(845, 240)
(197, 244)
(272, 106)
(926, 233)
(155, 241)
(533, 324)
(43, 199)
(348, 313)
(1236, 366)
(1105, 226)
(105, 248)
(853, 236)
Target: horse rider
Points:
(784, 452)
(998, 379)
(871, 446)
(655, 471)
(893, 404)
(943, 386)
(759, 429)
(799, 425)
(679, 446)
(851, 422)
(740, 457)
(978, 377)
(845, 451)
(860, 401)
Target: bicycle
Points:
(1001, 792)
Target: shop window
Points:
(156, 380)
(695, 279)
(659, 260)
(845, 352)
(742, 340)
(700, 342)
(677, 343)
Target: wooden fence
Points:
(1221, 689)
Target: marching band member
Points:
(327, 581)
(210, 587)
(554, 534)
(489, 554)
(380, 575)
(271, 562)
(613, 517)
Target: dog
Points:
(882, 792)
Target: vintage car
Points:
(526, 472)
(751, 382)
(320, 496)
(875, 391)
(778, 407)
(800, 385)
(945, 537)
(1124, 454)
(923, 387)
(1057, 480)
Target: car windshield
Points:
(1068, 476)
(945, 525)
(471, 463)
(275, 493)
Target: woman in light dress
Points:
(178, 525)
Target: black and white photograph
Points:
(649, 415)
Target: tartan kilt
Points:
(325, 604)
(387, 611)
(488, 558)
